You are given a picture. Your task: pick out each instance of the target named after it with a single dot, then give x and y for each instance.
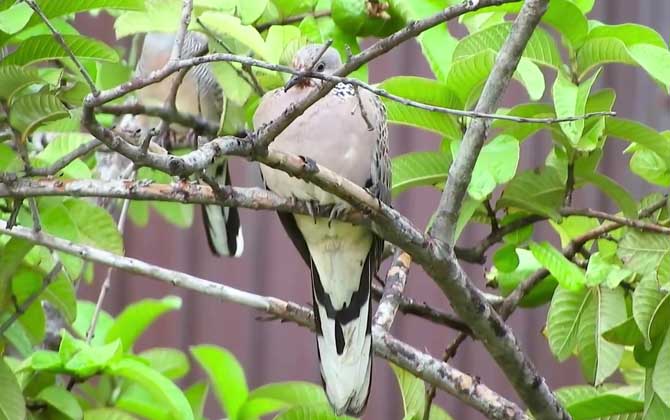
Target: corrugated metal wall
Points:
(271, 351)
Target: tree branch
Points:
(394, 286)
(460, 171)
(463, 386)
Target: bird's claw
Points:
(336, 212)
(313, 208)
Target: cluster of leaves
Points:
(609, 306)
(106, 379)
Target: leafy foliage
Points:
(609, 301)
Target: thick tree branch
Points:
(463, 386)
(460, 171)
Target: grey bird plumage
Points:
(198, 94)
(342, 257)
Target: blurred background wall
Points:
(271, 351)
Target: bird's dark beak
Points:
(294, 80)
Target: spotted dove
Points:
(342, 257)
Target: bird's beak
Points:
(294, 80)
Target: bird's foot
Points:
(313, 208)
(337, 211)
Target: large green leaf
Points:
(10, 259)
(232, 27)
(496, 164)
(541, 47)
(639, 134)
(197, 397)
(540, 193)
(626, 333)
(563, 320)
(644, 252)
(95, 225)
(62, 295)
(13, 78)
(661, 376)
(428, 92)
(598, 357)
(584, 402)
(507, 282)
(568, 275)
(161, 388)
(226, 376)
(570, 100)
(12, 405)
(437, 44)
(629, 44)
(59, 147)
(646, 299)
(45, 47)
(159, 16)
(172, 363)
(15, 18)
(107, 414)
(419, 169)
(311, 412)
(30, 111)
(62, 400)
(612, 189)
(280, 396)
(85, 310)
(412, 390)
(137, 317)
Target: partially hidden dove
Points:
(199, 94)
(343, 258)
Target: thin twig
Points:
(66, 159)
(23, 307)
(394, 286)
(61, 41)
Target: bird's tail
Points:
(344, 342)
(222, 224)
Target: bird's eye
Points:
(320, 67)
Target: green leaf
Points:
(62, 400)
(661, 376)
(584, 402)
(30, 111)
(604, 269)
(563, 320)
(46, 360)
(612, 189)
(44, 47)
(10, 259)
(172, 363)
(81, 324)
(311, 412)
(598, 357)
(159, 16)
(251, 10)
(655, 60)
(137, 317)
(540, 49)
(107, 414)
(87, 361)
(280, 396)
(639, 134)
(412, 390)
(654, 408)
(568, 275)
(625, 333)
(650, 167)
(59, 147)
(62, 295)
(419, 169)
(429, 92)
(283, 42)
(14, 78)
(496, 164)
(643, 252)
(161, 388)
(138, 400)
(230, 26)
(506, 259)
(508, 282)
(437, 44)
(12, 405)
(646, 299)
(95, 225)
(569, 101)
(467, 75)
(233, 85)
(15, 18)
(196, 395)
(226, 376)
(540, 193)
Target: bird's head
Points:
(313, 58)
